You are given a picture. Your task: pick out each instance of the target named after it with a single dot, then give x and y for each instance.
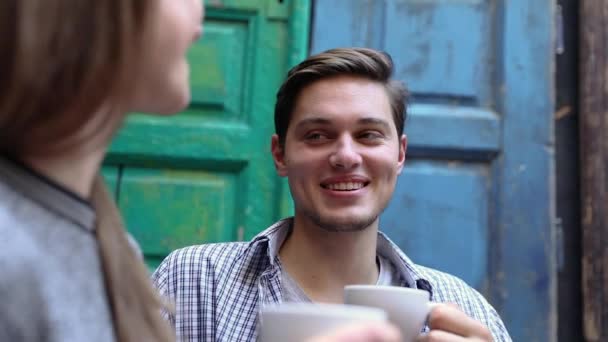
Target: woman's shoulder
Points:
(21, 289)
(19, 256)
(20, 245)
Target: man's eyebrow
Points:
(313, 121)
(374, 121)
(325, 122)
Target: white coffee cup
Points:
(300, 321)
(407, 308)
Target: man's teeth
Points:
(345, 186)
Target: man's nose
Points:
(345, 154)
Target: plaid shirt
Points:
(218, 288)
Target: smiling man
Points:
(339, 141)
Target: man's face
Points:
(342, 153)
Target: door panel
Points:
(444, 47)
(446, 203)
(222, 54)
(475, 198)
(167, 209)
(467, 132)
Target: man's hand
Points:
(448, 323)
(369, 332)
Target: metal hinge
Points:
(559, 244)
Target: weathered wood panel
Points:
(594, 168)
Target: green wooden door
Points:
(207, 175)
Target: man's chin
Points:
(345, 224)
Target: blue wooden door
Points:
(476, 195)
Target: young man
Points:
(339, 141)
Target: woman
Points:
(69, 71)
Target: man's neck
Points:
(323, 262)
(75, 170)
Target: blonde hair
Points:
(60, 62)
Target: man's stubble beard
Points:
(338, 227)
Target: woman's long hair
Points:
(61, 62)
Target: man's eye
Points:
(370, 135)
(315, 136)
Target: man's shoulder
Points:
(212, 254)
(445, 284)
(445, 287)
(205, 253)
(448, 288)
(215, 260)
(219, 259)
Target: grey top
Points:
(387, 276)
(51, 283)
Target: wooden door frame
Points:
(594, 166)
(567, 173)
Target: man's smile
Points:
(350, 186)
(345, 183)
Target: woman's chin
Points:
(179, 103)
(169, 102)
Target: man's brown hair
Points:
(367, 63)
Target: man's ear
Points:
(278, 154)
(402, 153)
